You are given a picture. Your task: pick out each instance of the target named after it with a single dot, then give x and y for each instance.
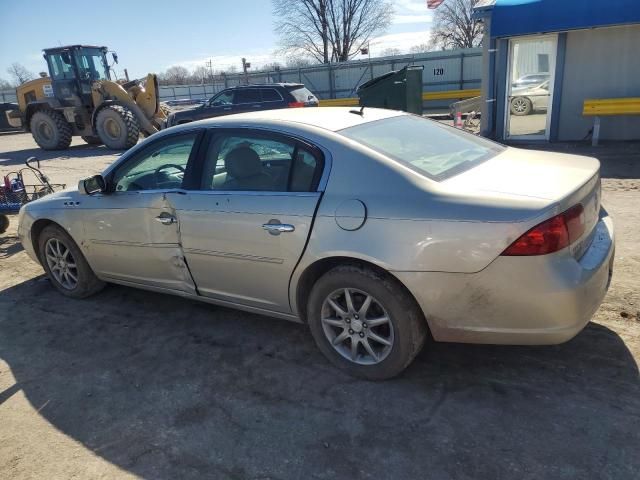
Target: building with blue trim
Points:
(543, 58)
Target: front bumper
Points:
(25, 223)
(535, 300)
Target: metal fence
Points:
(443, 70)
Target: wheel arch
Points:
(33, 107)
(36, 229)
(314, 271)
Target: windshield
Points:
(430, 148)
(91, 64)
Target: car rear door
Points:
(246, 227)
(247, 100)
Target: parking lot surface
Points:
(133, 384)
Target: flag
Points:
(434, 3)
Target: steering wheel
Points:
(156, 173)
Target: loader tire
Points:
(50, 130)
(117, 127)
(92, 140)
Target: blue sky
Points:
(152, 36)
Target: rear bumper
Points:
(518, 300)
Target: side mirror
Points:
(114, 55)
(92, 185)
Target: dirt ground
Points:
(136, 384)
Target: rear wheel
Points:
(117, 127)
(65, 265)
(50, 130)
(521, 106)
(92, 139)
(365, 323)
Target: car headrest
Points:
(242, 162)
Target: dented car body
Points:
(493, 244)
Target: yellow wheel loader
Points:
(79, 98)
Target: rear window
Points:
(302, 94)
(430, 148)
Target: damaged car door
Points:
(132, 231)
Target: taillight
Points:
(551, 235)
(296, 104)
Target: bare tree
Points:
(5, 85)
(329, 30)
(390, 52)
(454, 26)
(175, 75)
(296, 61)
(19, 73)
(421, 48)
(200, 74)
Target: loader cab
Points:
(73, 69)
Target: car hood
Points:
(528, 173)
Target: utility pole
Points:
(210, 65)
(246, 66)
(367, 51)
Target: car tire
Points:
(59, 254)
(92, 139)
(521, 106)
(117, 127)
(50, 130)
(404, 332)
(4, 223)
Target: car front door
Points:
(220, 104)
(132, 231)
(245, 229)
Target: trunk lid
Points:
(560, 180)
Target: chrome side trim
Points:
(123, 243)
(235, 256)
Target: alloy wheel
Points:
(357, 326)
(61, 263)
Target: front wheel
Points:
(117, 127)
(65, 265)
(365, 323)
(4, 223)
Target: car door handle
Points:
(166, 219)
(278, 228)
(226, 108)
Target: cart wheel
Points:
(4, 223)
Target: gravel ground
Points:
(135, 384)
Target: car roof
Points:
(261, 85)
(328, 118)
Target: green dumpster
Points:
(397, 90)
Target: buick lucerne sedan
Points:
(376, 228)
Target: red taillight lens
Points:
(551, 235)
(296, 104)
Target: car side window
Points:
(270, 95)
(259, 162)
(247, 95)
(160, 166)
(224, 98)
